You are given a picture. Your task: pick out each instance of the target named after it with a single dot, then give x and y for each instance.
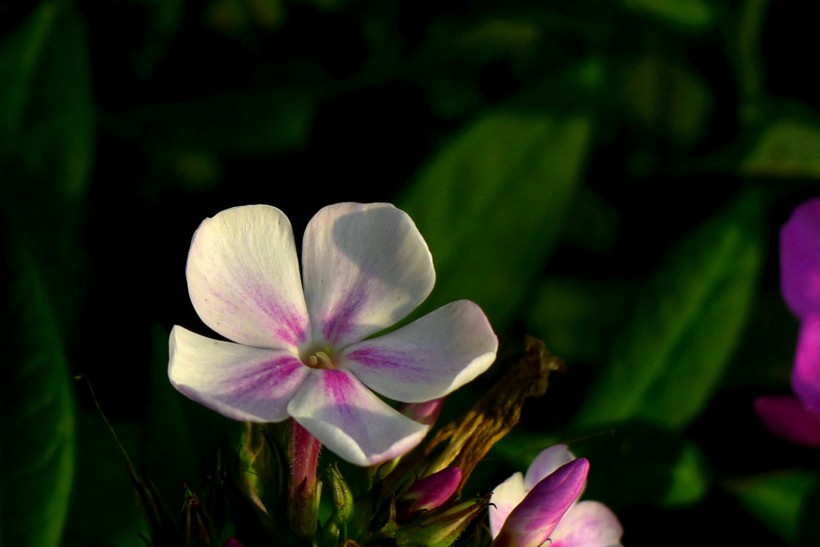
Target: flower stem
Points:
(304, 490)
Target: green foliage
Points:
(37, 424)
(494, 201)
(777, 499)
(687, 322)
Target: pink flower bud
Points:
(432, 491)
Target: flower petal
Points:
(786, 417)
(366, 266)
(800, 259)
(428, 358)
(533, 520)
(503, 500)
(806, 371)
(351, 421)
(243, 277)
(546, 463)
(239, 382)
(588, 524)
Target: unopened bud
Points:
(443, 526)
(430, 492)
(426, 413)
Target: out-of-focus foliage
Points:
(607, 176)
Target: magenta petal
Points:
(785, 417)
(547, 461)
(433, 490)
(806, 372)
(800, 259)
(533, 520)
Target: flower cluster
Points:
(798, 418)
(310, 348)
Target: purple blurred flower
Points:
(541, 507)
(308, 354)
(798, 418)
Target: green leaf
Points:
(668, 98)
(56, 143)
(688, 321)
(689, 14)
(785, 147)
(491, 204)
(777, 499)
(20, 54)
(37, 419)
(576, 318)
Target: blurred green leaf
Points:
(45, 102)
(492, 203)
(785, 148)
(576, 318)
(20, 54)
(776, 499)
(242, 123)
(37, 420)
(46, 163)
(688, 321)
(747, 30)
(690, 480)
(667, 97)
(103, 510)
(690, 14)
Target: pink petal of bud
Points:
(433, 491)
(785, 417)
(425, 413)
(533, 520)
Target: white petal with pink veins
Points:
(428, 358)
(351, 421)
(243, 277)
(240, 382)
(365, 267)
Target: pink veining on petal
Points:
(290, 327)
(338, 386)
(402, 362)
(273, 374)
(341, 322)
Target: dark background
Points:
(608, 176)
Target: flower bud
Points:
(443, 526)
(426, 413)
(430, 492)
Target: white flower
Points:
(306, 354)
